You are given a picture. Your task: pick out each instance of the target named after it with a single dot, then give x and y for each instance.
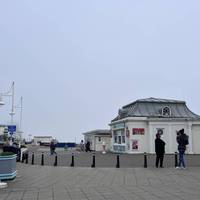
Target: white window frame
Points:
(119, 134)
(164, 109)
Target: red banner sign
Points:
(138, 131)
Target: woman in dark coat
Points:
(182, 140)
(160, 150)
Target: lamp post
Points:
(10, 93)
(12, 108)
(20, 106)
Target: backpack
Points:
(186, 139)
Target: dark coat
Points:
(52, 146)
(181, 142)
(159, 146)
(87, 146)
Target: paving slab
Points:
(81, 183)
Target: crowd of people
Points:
(182, 141)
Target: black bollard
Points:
(23, 158)
(72, 163)
(18, 156)
(26, 158)
(93, 161)
(145, 160)
(56, 161)
(176, 159)
(32, 160)
(42, 159)
(118, 163)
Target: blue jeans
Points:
(181, 158)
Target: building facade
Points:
(135, 127)
(42, 140)
(97, 138)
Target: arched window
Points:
(166, 111)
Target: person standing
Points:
(160, 150)
(52, 147)
(182, 140)
(87, 147)
(82, 145)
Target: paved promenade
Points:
(82, 159)
(63, 183)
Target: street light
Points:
(19, 105)
(10, 93)
(19, 131)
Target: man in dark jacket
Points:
(160, 150)
(182, 140)
(52, 148)
(87, 146)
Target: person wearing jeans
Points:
(181, 140)
(181, 158)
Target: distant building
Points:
(2, 128)
(17, 135)
(135, 127)
(2, 131)
(96, 139)
(42, 140)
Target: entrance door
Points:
(196, 138)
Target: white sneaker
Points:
(183, 167)
(177, 167)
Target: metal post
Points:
(32, 161)
(20, 122)
(12, 109)
(176, 159)
(19, 156)
(56, 161)
(145, 160)
(72, 163)
(42, 159)
(26, 158)
(93, 160)
(23, 158)
(118, 163)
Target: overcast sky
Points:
(77, 62)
